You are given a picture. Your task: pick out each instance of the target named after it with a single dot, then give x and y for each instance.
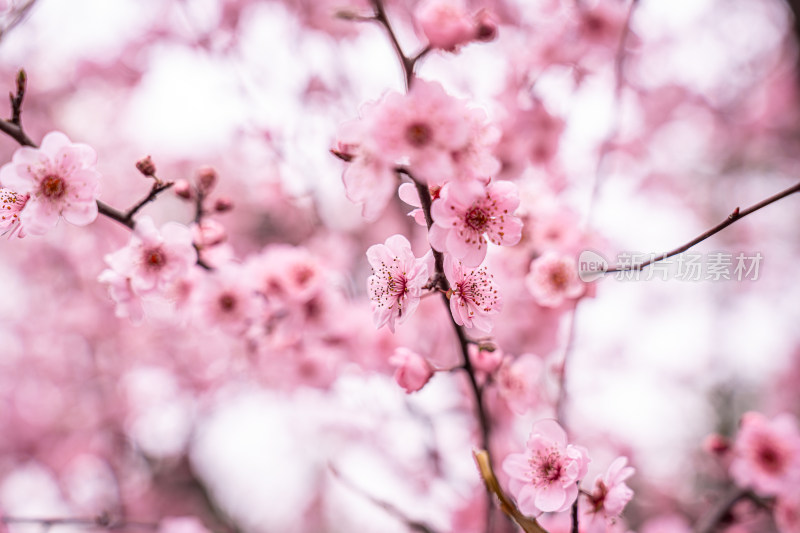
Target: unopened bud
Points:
(206, 179)
(183, 189)
(223, 204)
(146, 166)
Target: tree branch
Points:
(735, 216)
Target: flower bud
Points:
(183, 189)
(223, 204)
(146, 166)
(208, 233)
(206, 179)
(412, 370)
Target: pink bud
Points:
(206, 179)
(223, 205)
(183, 189)
(485, 358)
(413, 371)
(146, 166)
(716, 444)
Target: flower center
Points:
(477, 219)
(53, 187)
(418, 134)
(550, 470)
(559, 278)
(227, 302)
(770, 458)
(154, 258)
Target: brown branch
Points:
(735, 216)
(406, 62)
(710, 522)
(529, 525)
(104, 521)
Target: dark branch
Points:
(721, 512)
(104, 521)
(736, 215)
(406, 62)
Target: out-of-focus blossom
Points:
(464, 221)
(766, 454)
(610, 494)
(127, 302)
(226, 299)
(445, 23)
(545, 477)
(60, 179)
(396, 285)
(518, 382)
(154, 259)
(474, 297)
(412, 370)
(787, 512)
(553, 280)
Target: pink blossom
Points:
(462, 221)
(396, 284)
(153, 259)
(766, 454)
(421, 129)
(610, 494)
(545, 478)
(412, 370)
(445, 23)
(60, 179)
(11, 204)
(226, 299)
(287, 274)
(127, 302)
(553, 280)
(369, 179)
(787, 513)
(473, 297)
(518, 382)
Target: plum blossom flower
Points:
(766, 454)
(60, 179)
(420, 129)
(610, 494)
(463, 221)
(553, 280)
(368, 178)
(398, 277)
(11, 204)
(518, 382)
(545, 478)
(473, 295)
(154, 259)
(226, 299)
(128, 304)
(412, 370)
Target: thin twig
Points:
(390, 509)
(736, 215)
(709, 522)
(406, 62)
(104, 521)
